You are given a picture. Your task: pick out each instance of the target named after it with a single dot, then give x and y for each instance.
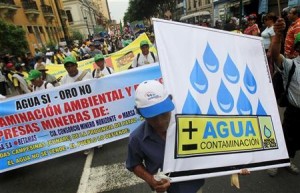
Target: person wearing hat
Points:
(145, 57)
(102, 69)
(48, 77)
(291, 119)
(36, 79)
(147, 142)
(74, 75)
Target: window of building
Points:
(207, 1)
(200, 3)
(189, 4)
(69, 15)
(41, 29)
(30, 30)
(195, 3)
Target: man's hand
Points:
(279, 26)
(160, 186)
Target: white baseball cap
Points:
(152, 99)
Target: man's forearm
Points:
(141, 172)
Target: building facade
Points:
(42, 20)
(198, 11)
(86, 16)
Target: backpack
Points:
(279, 90)
(138, 56)
(94, 71)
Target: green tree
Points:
(13, 40)
(141, 9)
(76, 35)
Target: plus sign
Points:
(190, 130)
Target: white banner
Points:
(51, 123)
(226, 116)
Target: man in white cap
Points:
(147, 143)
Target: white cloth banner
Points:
(226, 116)
(55, 122)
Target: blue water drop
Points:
(211, 109)
(260, 109)
(210, 59)
(224, 98)
(198, 79)
(249, 81)
(190, 105)
(230, 70)
(244, 106)
(267, 132)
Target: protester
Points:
(36, 79)
(147, 143)
(267, 36)
(74, 75)
(39, 61)
(293, 16)
(48, 77)
(17, 79)
(58, 57)
(252, 28)
(101, 70)
(145, 57)
(291, 119)
(93, 50)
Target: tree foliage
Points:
(76, 35)
(141, 9)
(13, 40)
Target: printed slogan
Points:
(66, 119)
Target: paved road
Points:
(104, 171)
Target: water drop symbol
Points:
(211, 109)
(244, 106)
(210, 59)
(198, 79)
(190, 105)
(249, 81)
(224, 98)
(267, 132)
(230, 71)
(260, 109)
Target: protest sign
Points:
(43, 125)
(226, 116)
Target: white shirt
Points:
(43, 87)
(266, 36)
(37, 64)
(143, 60)
(101, 73)
(68, 79)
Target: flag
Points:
(121, 27)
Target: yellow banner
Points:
(59, 70)
(202, 135)
(122, 59)
(119, 61)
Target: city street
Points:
(104, 171)
(108, 174)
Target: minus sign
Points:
(55, 97)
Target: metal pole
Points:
(241, 10)
(87, 25)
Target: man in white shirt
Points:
(144, 58)
(102, 69)
(37, 81)
(74, 75)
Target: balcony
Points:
(31, 10)
(63, 14)
(8, 9)
(48, 13)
